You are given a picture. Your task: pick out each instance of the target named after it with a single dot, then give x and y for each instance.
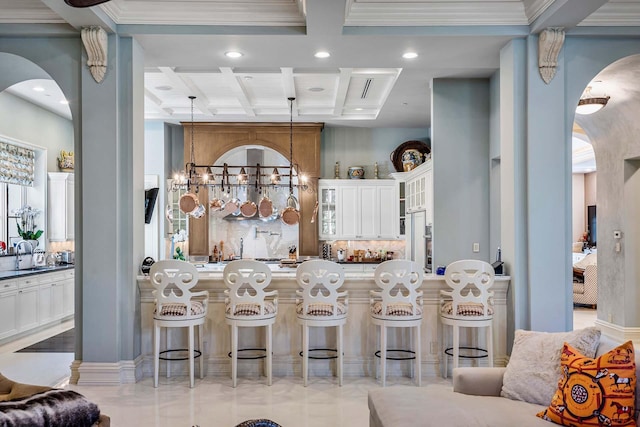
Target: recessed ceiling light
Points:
(359, 109)
(248, 77)
(409, 55)
(64, 102)
(164, 87)
(38, 88)
(315, 89)
(322, 54)
(233, 54)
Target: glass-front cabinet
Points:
(402, 208)
(327, 214)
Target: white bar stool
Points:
(319, 304)
(246, 306)
(398, 305)
(177, 311)
(468, 304)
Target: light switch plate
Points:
(476, 247)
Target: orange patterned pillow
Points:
(595, 392)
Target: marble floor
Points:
(213, 402)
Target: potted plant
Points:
(27, 227)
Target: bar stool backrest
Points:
(320, 281)
(470, 281)
(246, 280)
(173, 281)
(399, 280)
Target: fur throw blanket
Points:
(52, 408)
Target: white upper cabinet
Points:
(418, 189)
(60, 206)
(358, 209)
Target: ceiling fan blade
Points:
(84, 3)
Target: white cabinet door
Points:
(45, 303)
(27, 308)
(369, 218)
(348, 213)
(57, 299)
(327, 220)
(388, 227)
(8, 320)
(428, 190)
(60, 206)
(68, 297)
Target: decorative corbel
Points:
(95, 43)
(549, 45)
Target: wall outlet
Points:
(476, 247)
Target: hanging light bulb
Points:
(242, 177)
(275, 176)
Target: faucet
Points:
(21, 243)
(241, 246)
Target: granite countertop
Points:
(12, 274)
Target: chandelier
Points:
(226, 177)
(589, 104)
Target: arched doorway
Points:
(613, 133)
(33, 118)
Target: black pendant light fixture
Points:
(84, 3)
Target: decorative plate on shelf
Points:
(396, 155)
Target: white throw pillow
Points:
(590, 259)
(534, 367)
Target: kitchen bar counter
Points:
(15, 274)
(360, 335)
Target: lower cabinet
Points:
(35, 301)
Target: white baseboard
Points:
(115, 373)
(617, 332)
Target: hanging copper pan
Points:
(290, 214)
(189, 203)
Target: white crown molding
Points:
(247, 12)
(533, 9)
(29, 13)
(614, 14)
(95, 43)
(430, 13)
(549, 44)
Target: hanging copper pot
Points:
(290, 214)
(189, 203)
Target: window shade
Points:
(17, 164)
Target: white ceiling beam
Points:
(566, 14)
(325, 17)
(289, 87)
(238, 90)
(157, 102)
(187, 87)
(341, 91)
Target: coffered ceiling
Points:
(364, 82)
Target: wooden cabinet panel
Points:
(212, 140)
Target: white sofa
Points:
(474, 400)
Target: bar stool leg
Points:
(269, 357)
(456, 345)
(191, 344)
(200, 347)
(383, 354)
(156, 354)
(339, 346)
(418, 359)
(305, 353)
(234, 355)
(490, 345)
(167, 363)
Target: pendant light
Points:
(590, 104)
